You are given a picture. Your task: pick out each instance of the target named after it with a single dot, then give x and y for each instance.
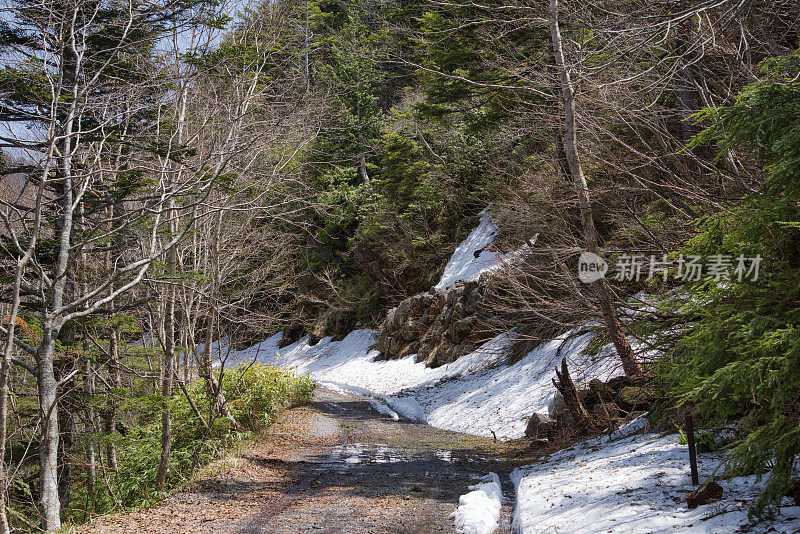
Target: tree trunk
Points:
(47, 385)
(687, 94)
(166, 380)
(49, 502)
(5, 370)
(564, 384)
(362, 157)
(217, 399)
(169, 312)
(91, 457)
(612, 323)
(66, 427)
(206, 373)
(110, 423)
(362, 168)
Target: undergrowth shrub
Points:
(255, 394)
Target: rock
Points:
(408, 350)
(396, 345)
(637, 425)
(318, 330)
(632, 396)
(406, 324)
(334, 323)
(566, 419)
(438, 325)
(341, 323)
(600, 388)
(411, 330)
(539, 426)
(606, 411)
(389, 324)
(291, 334)
(437, 355)
(709, 492)
(459, 330)
(556, 406)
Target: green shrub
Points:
(256, 393)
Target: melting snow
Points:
(618, 483)
(477, 394)
(478, 511)
(463, 265)
(632, 485)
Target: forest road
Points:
(335, 466)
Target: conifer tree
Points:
(79, 71)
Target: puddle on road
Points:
(343, 457)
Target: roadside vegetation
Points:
(256, 395)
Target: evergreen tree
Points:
(740, 357)
(80, 77)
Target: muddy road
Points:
(336, 466)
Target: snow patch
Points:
(463, 264)
(478, 511)
(407, 407)
(383, 409)
(476, 255)
(264, 352)
(638, 425)
(477, 394)
(633, 485)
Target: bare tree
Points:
(77, 130)
(275, 124)
(624, 350)
(621, 94)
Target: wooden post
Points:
(692, 449)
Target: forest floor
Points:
(335, 466)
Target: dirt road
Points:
(336, 466)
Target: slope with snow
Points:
(637, 484)
(617, 484)
(476, 255)
(477, 394)
(263, 352)
(464, 265)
